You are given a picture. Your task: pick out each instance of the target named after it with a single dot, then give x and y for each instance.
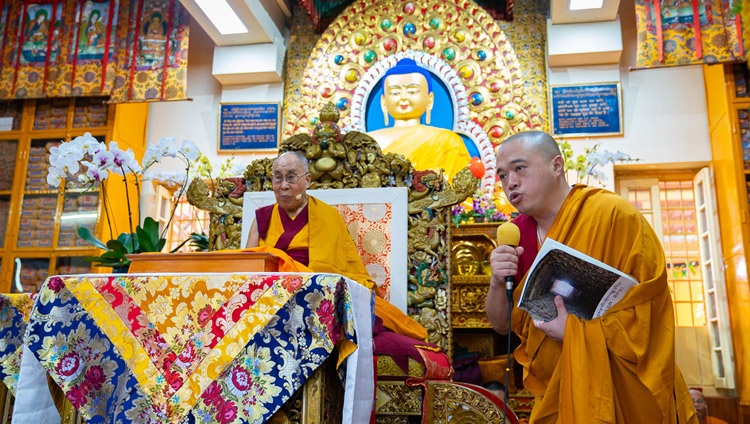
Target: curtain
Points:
(130, 50)
(687, 32)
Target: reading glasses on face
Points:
(289, 178)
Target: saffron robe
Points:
(432, 148)
(620, 367)
(332, 250)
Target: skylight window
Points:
(585, 4)
(222, 16)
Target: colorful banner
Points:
(687, 32)
(131, 50)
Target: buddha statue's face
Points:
(406, 97)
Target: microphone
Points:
(297, 197)
(509, 234)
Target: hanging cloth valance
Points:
(129, 50)
(687, 32)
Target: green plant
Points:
(66, 166)
(199, 242)
(586, 167)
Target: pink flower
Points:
(187, 355)
(239, 383)
(70, 366)
(204, 314)
(212, 392)
(95, 375)
(228, 413)
(55, 284)
(76, 397)
(326, 313)
(175, 381)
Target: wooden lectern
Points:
(199, 262)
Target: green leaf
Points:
(130, 242)
(145, 240)
(90, 238)
(119, 247)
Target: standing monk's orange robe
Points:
(620, 367)
(331, 250)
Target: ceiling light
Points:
(222, 16)
(585, 4)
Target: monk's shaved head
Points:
(538, 141)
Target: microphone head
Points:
(508, 234)
(298, 197)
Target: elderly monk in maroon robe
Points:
(315, 236)
(620, 367)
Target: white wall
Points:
(664, 109)
(197, 119)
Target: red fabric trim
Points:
(20, 45)
(292, 227)
(166, 50)
(697, 31)
(77, 39)
(738, 27)
(659, 35)
(263, 220)
(49, 44)
(107, 42)
(527, 227)
(135, 48)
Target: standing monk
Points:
(620, 367)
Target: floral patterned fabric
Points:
(14, 315)
(183, 348)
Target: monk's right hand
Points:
(504, 262)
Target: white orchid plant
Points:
(588, 165)
(100, 160)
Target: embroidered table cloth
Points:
(226, 348)
(14, 315)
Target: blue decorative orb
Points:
(342, 103)
(410, 29)
(476, 99)
(481, 55)
(338, 59)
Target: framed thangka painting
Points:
(41, 33)
(249, 126)
(586, 110)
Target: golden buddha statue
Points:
(407, 96)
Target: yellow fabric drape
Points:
(619, 367)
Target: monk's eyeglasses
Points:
(290, 178)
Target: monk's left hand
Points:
(555, 329)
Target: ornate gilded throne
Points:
(354, 161)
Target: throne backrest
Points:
(377, 220)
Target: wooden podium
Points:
(199, 262)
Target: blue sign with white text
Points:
(249, 126)
(582, 110)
